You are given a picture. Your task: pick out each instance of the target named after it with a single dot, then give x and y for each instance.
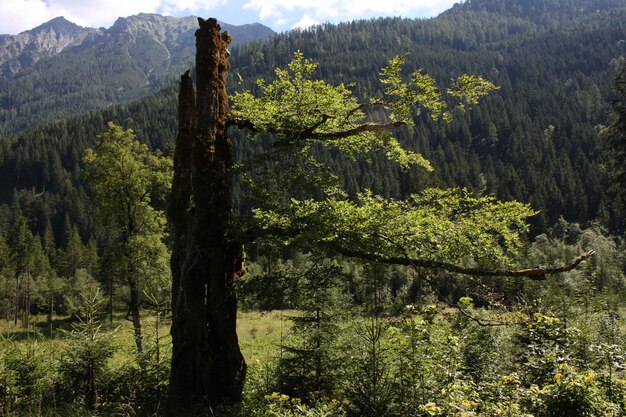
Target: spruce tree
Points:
(308, 367)
(616, 134)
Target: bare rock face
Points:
(23, 50)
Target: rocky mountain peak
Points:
(23, 50)
(59, 25)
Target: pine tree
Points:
(21, 244)
(7, 273)
(71, 258)
(616, 134)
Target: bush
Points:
(572, 393)
(82, 367)
(27, 379)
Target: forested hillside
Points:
(535, 140)
(545, 14)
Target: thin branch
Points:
(367, 127)
(308, 133)
(130, 313)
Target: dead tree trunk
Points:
(207, 365)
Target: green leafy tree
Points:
(298, 199)
(76, 287)
(126, 179)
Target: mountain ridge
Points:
(86, 69)
(19, 52)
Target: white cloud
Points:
(19, 15)
(342, 10)
(190, 6)
(16, 16)
(306, 22)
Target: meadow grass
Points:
(260, 334)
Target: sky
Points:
(19, 15)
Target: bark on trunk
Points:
(135, 310)
(17, 299)
(207, 365)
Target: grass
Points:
(260, 334)
(437, 349)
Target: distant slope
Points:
(73, 70)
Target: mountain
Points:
(535, 140)
(66, 70)
(22, 51)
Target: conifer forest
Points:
(389, 217)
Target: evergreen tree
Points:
(7, 281)
(46, 288)
(71, 258)
(616, 134)
(308, 368)
(83, 366)
(21, 243)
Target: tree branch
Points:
(538, 273)
(241, 123)
(308, 132)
